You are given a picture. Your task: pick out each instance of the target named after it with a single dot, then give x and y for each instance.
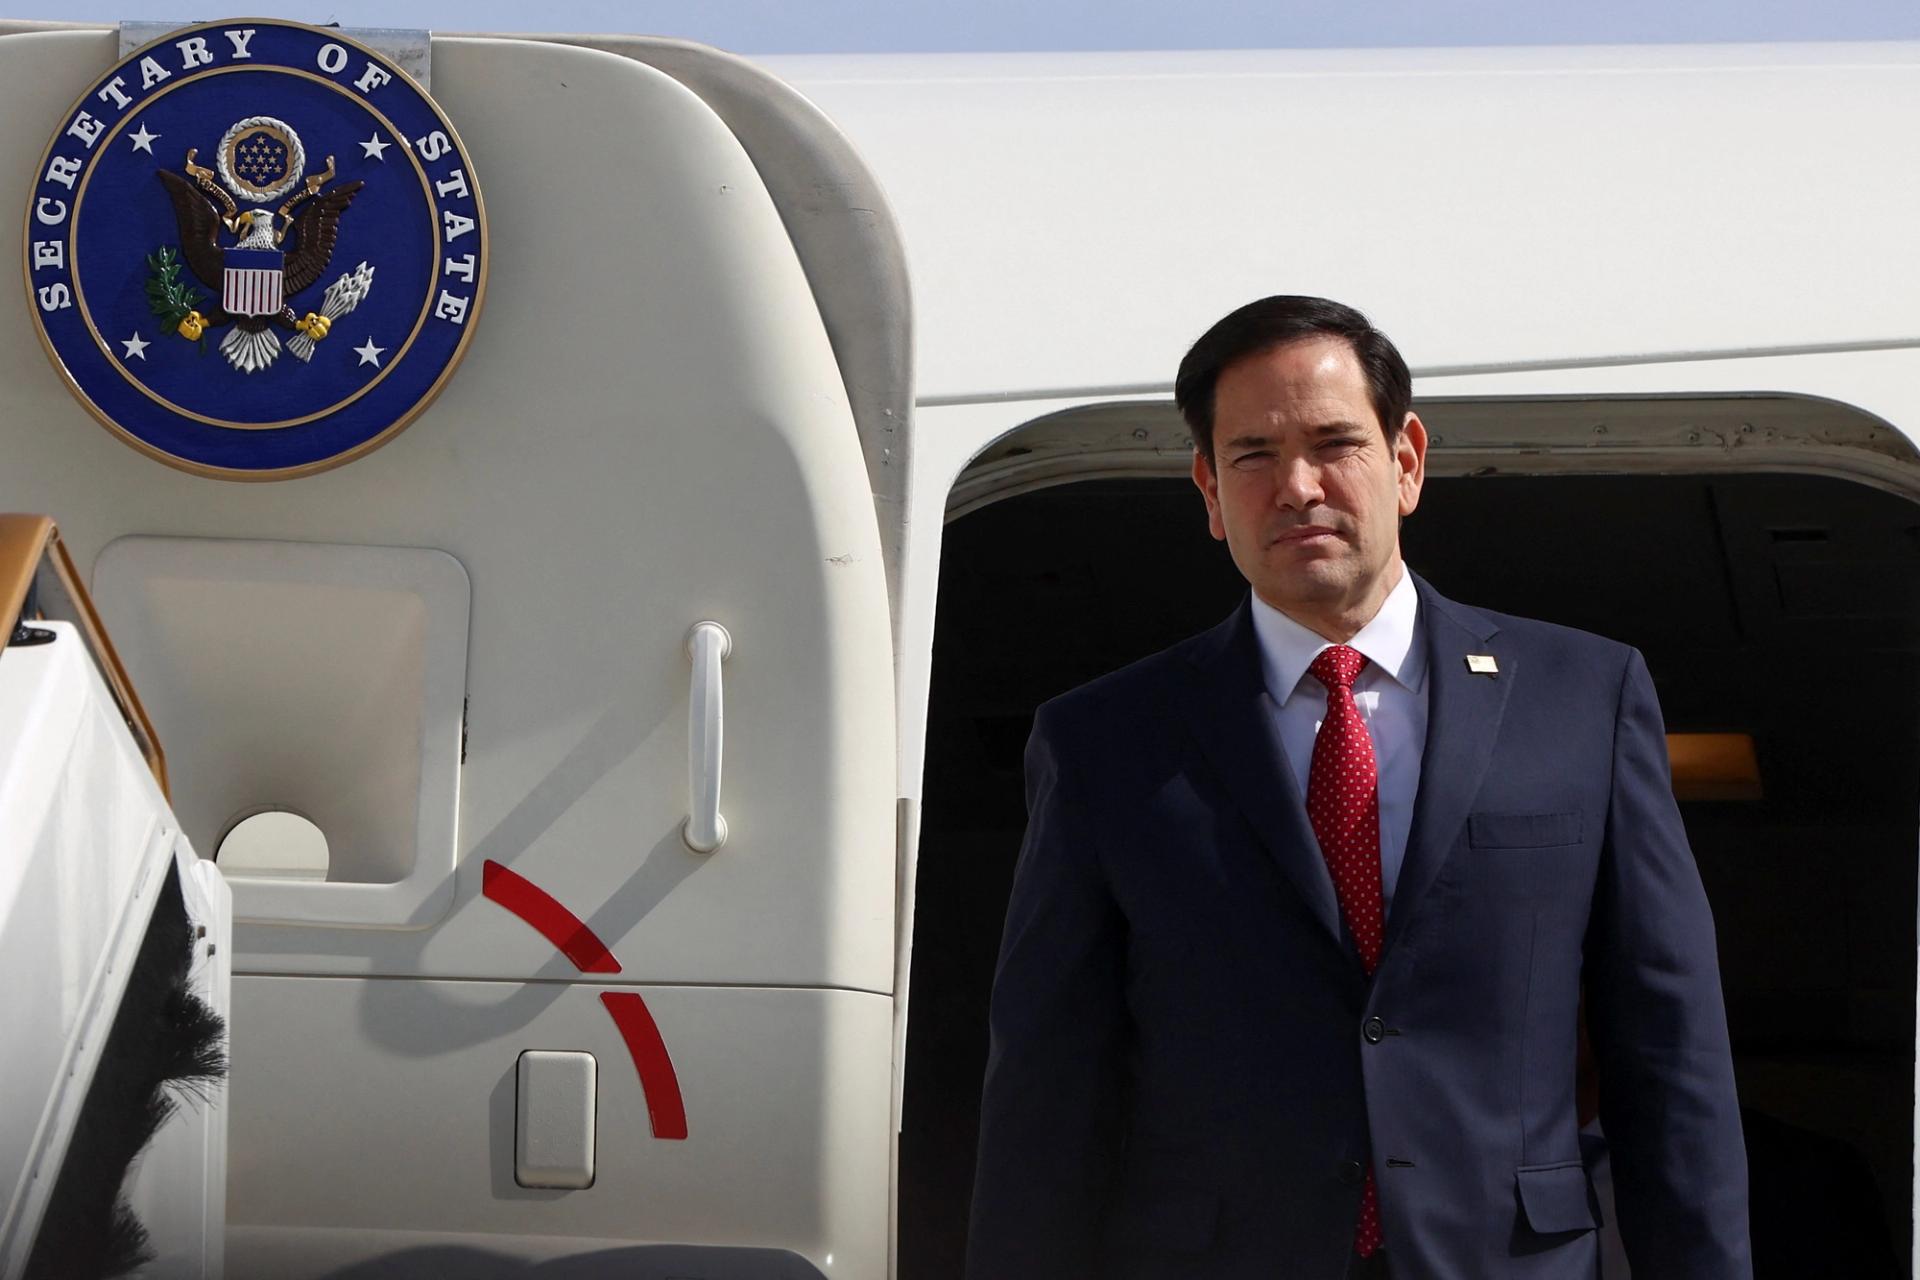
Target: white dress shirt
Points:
(1391, 693)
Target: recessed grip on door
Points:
(708, 644)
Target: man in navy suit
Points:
(1292, 974)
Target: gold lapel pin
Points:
(1482, 664)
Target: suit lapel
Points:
(1463, 720)
(1229, 717)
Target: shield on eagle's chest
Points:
(252, 281)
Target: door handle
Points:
(708, 644)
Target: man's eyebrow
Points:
(1255, 440)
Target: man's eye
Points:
(1339, 444)
(1257, 458)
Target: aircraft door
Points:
(623, 575)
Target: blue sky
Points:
(862, 26)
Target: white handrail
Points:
(708, 644)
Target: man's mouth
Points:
(1303, 534)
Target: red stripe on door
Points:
(540, 909)
(659, 1083)
(666, 1110)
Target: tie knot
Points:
(1338, 667)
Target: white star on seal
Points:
(142, 141)
(375, 149)
(369, 354)
(136, 346)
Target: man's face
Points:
(1305, 488)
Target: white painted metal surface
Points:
(786, 1093)
(1073, 221)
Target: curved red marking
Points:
(543, 911)
(665, 1108)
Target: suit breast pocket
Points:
(1523, 830)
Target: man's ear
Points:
(1209, 486)
(1410, 452)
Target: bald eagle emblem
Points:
(255, 260)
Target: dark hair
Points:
(1275, 322)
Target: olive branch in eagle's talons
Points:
(342, 296)
(172, 299)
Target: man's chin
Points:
(1314, 567)
(1317, 583)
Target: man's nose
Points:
(1298, 485)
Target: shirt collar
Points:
(1388, 640)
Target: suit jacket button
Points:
(1350, 1172)
(1373, 1029)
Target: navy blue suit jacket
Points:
(1189, 1067)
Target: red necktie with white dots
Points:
(1343, 804)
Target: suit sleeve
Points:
(1051, 1110)
(1658, 1022)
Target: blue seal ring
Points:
(255, 249)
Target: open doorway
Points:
(1740, 590)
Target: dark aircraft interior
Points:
(1784, 607)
